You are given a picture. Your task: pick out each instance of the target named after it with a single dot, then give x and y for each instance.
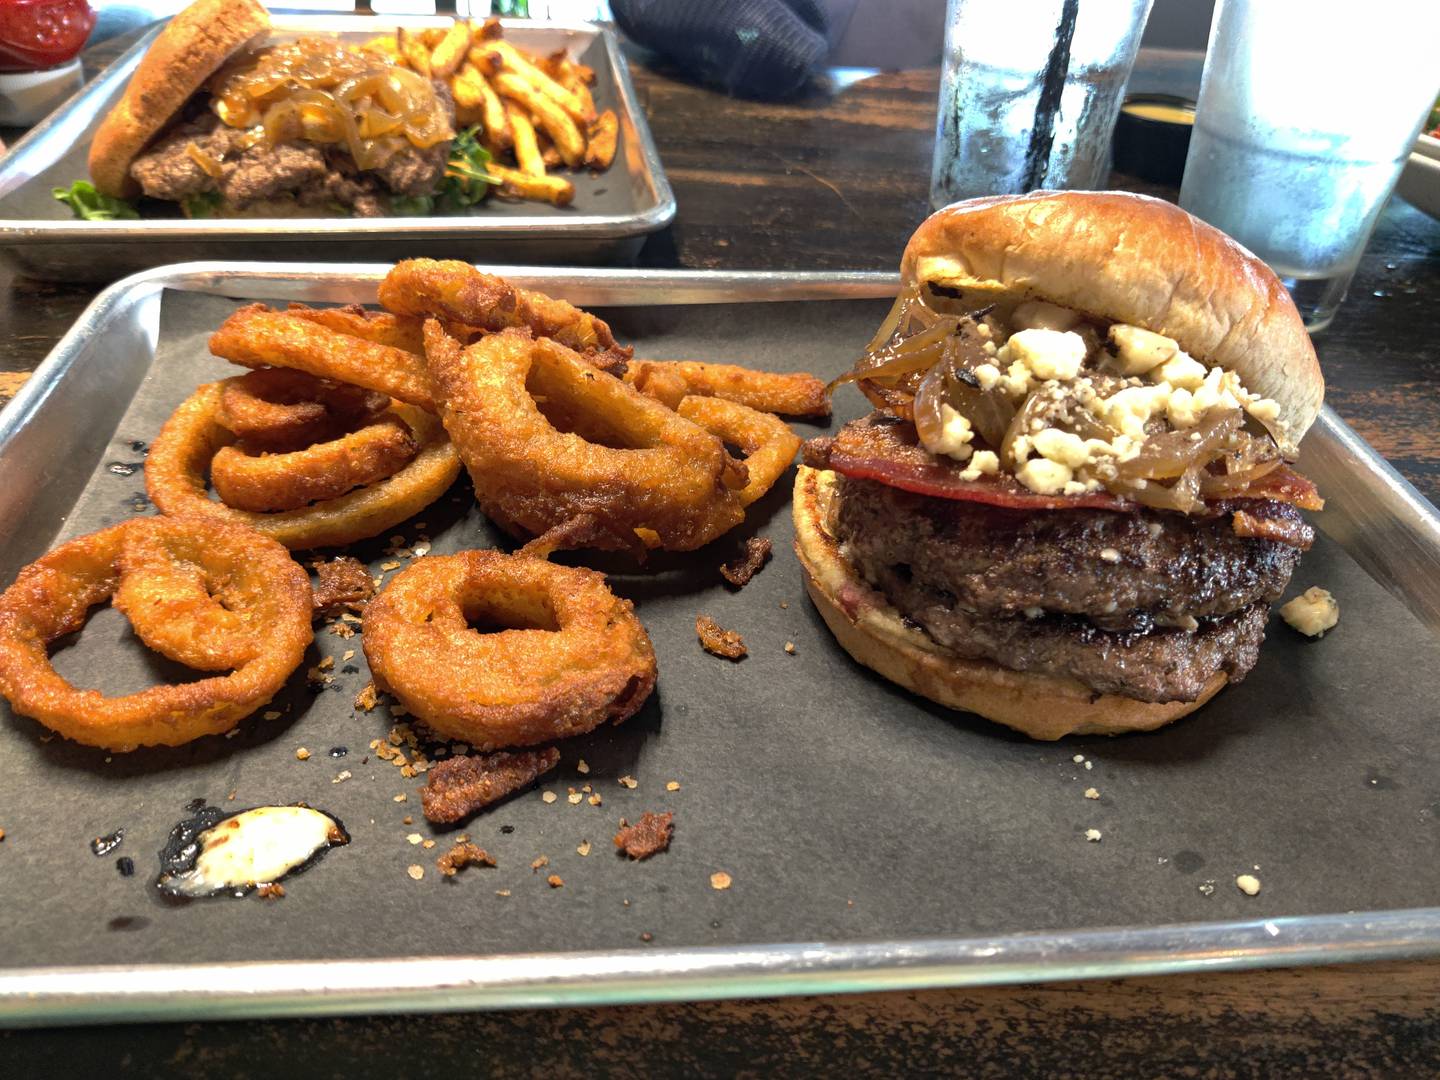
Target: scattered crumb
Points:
(271, 890)
(388, 566)
(502, 892)
(367, 698)
(1312, 612)
(673, 785)
(463, 854)
(1089, 765)
(2, 834)
(718, 641)
(647, 937)
(574, 798)
(582, 767)
(629, 782)
(542, 860)
(1093, 835)
(407, 820)
(784, 605)
(342, 776)
(790, 647)
(1207, 888)
(555, 881)
(1078, 758)
(301, 754)
(459, 786)
(594, 799)
(231, 734)
(270, 714)
(747, 564)
(400, 798)
(228, 798)
(341, 583)
(548, 796)
(1249, 884)
(719, 880)
(427, 844)
(414, 838)
(416, 871)
(583, 848)
(1091, 793)
(648, 836)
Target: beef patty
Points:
(1145, 604)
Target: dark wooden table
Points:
(838, 181)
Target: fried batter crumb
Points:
(790, 647)
(548, 797)
(342, 583)
(672, 785)
(720, 880)
(583, 848)
(2, 834)
(367, 698)
(416, 871)
(739, 571)
(629, 782)
(648, 836)
(555, 881)
(271, 890)
(301, 754)
(463, 854)
(714, 639)
(459, 786)
(540, 860)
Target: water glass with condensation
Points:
(1308, 110)
(1030, 93)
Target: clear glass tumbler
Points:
(1308, 110)
(1030, 93)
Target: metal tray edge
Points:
(158, 992)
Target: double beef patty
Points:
(1146, 604)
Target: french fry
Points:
(468, 87)
(448, 54)
(385, 45)
(502, 56)
(431, 36)
(548, 153)
(601, 138)
(489, 30)
(495, 122)
(527, 150)
(552, 189)
(547, 114)
(413, 51)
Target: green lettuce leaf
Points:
(90, 205)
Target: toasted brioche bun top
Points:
(1136, 260)
(186, 53)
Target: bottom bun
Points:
(871, 630)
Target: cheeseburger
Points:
(225, 123)
(1072, 507)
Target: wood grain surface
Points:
(837, 180)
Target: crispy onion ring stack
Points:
(597, 447)
(181, 459)
(210, 594)
(569, 657)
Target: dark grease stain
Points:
(1187, 862)
(507, 829)
(1380, 783)
(349, 669)
(103, 845)
(139, 447)
(125, 865)
(194, 806)
(339, 751)
(138, 503)
(124, 468)
(128, 922)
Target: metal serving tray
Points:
(608, 221)
(960, 848)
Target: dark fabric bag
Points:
(752, 48)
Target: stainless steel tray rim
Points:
(150, 992)
(40, 996)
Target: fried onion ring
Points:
(598, 447)
(381, 327)
(254, 336)
(326, 470)
(175, 573)
(176, 471)
(577, 657)
(456, 292)
(282, 409)
(768, 444)
(793, 393)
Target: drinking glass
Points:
(1307, 112)
(1030, 93)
